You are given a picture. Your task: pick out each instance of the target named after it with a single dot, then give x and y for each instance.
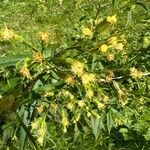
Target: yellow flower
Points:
(43, 37)
(97, 21)
(78, 68)
(77, 118)
(110, 57)
(87, 108)
(112, 40)
(7, 35)
(105, 98)
(134, 73)
(111, 19)
(48, 93)
(38, 57)
(108, 78)
(146, 42)
(25, 72)
(40, 139)
(69, 80)
(64, 121)
(101, 105)
(119, 46)
(81, 103)
(103, 48)
(67, 94)
(39, 128)
(89, 114)
(40, 109)
(41, 131)
(95, 114)
(89, 93)
(118, 121)
(60, 2)
(87, 78)
(87, 32)
(69, 105)
(54, 106)
(34, 125)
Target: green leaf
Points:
(82, 18)
(113, 2)
(116, 86)
(12, 60)
(94, 63)
(7, 131)
(96, 126)
(50, 50)
(23, 136)
(129, 18)
(37, 85)
(124, 132)
(110, 122)
(54, 74)
(142, 5)
(76, 132)
(28, 133)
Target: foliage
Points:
(74, 74)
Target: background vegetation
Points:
(74, 74)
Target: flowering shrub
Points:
(80, 75)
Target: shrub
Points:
(75, 75)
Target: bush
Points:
(75, 75)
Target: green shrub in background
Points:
(75, 75)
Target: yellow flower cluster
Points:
(69, 80)
(87, 32)
(111, 19)
(78, 68)
(109, 76)
(87, 78)
(89, 93)
(64, 121)
(25, 72)
(100, 105)
(7, 35)
(40, 108)
(118, 121)
(77, 118)
(81, 103)
(41, 134)
(43, 37)
(54, 106)
(69, 106)
(110, 57)
(105, 99)
(39, 125)
(134, 73)
(89, 114)
(103, 48)
(38, 57)
(112, 40)
(48, 93)
(97, 21)
(67, 94)
(119, 46)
